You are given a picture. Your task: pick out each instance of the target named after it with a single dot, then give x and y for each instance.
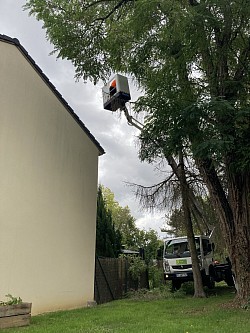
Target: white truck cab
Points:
(177, 263)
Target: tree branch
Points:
(120, 4)
(149, 196)
(217, 195)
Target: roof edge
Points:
(15, 41)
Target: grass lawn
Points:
(168, 313)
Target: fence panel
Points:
(113, 280)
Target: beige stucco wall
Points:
(48, 184)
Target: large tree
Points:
(132, 237)
(123, 221)
(192, 60)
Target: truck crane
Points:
(177, 262)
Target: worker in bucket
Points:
(112, 88)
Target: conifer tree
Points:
(108, 240)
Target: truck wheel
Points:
(176, 285)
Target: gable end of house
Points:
(15, 42)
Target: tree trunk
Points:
(234, 216)
(239, 198)
(195, 207)
(198, 286)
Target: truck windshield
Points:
(176, 248)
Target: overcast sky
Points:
(120, 164)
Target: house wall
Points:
(48, 185)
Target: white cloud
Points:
(152, 221)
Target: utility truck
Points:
(177, 263)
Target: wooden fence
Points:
(113, 280)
